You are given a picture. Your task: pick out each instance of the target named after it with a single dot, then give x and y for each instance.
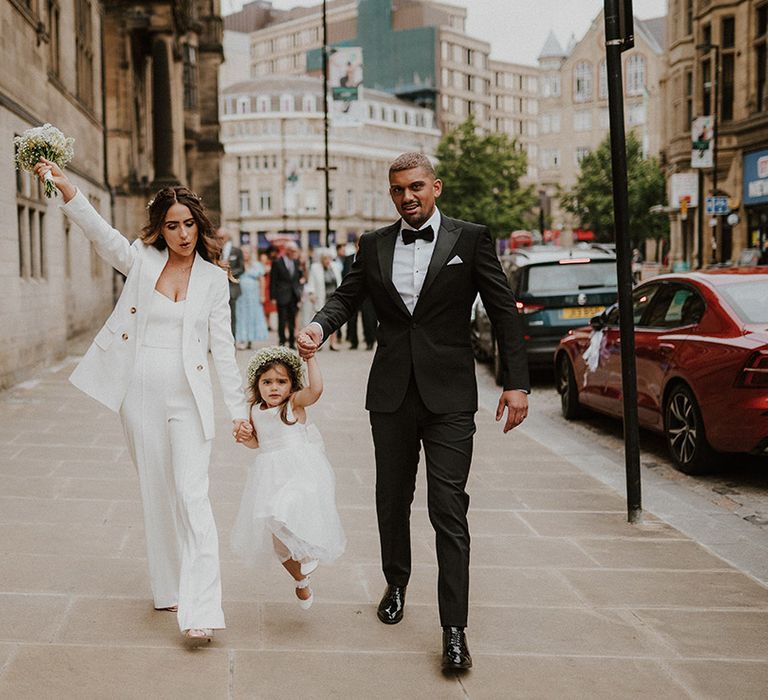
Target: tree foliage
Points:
(591, 200)
(481, 179)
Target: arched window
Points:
(262, 103)
(286, 103)
(635, 74)
(582, 84)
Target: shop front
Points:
(756, 200)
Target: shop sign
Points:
(702, 147)
(684, 187)
(756, 177)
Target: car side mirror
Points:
(598, 322)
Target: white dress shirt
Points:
(410, 263)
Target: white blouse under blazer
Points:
(107, 368)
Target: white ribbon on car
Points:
(592, 353)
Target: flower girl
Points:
(289, 502)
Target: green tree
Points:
(481, 179)
(591, 200)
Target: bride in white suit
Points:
(150, 363)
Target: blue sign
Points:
(717, 205)
(756, 177)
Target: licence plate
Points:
(581, 311)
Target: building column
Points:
(163, 136)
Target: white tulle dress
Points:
(290, 493)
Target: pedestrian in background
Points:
(285, 286)
(324, 277)
(251, 324)
(266, 258)
(422, 274)
(232, 261)
(149, 362)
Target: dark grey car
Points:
(556, 289)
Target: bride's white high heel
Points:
(305, 604)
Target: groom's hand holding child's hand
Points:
(243, 433)
(307, 342)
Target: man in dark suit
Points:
(232, 258)
(422, 275)
(285, 283)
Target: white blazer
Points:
(106, 370)
(316, 282)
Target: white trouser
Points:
(166, 441)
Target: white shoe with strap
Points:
(305, 603)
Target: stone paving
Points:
(567, 599)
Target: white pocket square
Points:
(455, 260)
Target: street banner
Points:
(345, 72)
(702, 148)
(684, 186)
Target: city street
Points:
(567, 598)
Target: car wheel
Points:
(684, 430)
(566, 387)
(496, 363)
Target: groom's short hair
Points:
(408, 161)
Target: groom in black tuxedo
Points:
(422, 274)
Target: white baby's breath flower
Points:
(277, 352)
(44, 141)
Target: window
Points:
(582, 120)
(635, 74)
(603, 80)
(311, 201)
(245, 202)
(53, 37)
(190, 76)
(761, 56)
(727, 65)
(688, 100)
(550, 86)
(582, 85)
(674, 306)
(351, 202)
(84, 52)
(30, 217)
(286, 103)
(706, 86)
(265, 201)
(580, 153)
(550, 158)
(688, 17)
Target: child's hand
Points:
(243, 432)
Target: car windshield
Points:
(567, 278)
(748, 300)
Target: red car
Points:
(702, 363)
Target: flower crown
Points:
(282, 354)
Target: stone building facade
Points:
(136, 86)
(573, 104)
(51, 282)
(272, 131)
(717, 65)
(415, 49)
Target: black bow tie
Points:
(426, 234)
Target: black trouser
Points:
(447, 440)
(286, 319)
(232, 305)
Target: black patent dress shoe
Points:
(456, 656)
(392, 604)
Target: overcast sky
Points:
(516, 29)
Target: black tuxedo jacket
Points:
(285, 287)
(433, 343)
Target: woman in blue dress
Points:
(251, 325)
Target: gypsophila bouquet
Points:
(44, 141)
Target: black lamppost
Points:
(707, 48)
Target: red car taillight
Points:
(528, 308)
(755, 372)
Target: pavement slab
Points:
(567, 599)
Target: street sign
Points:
(717, 205)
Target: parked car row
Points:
(701, 348)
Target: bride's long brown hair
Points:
(207, 244)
